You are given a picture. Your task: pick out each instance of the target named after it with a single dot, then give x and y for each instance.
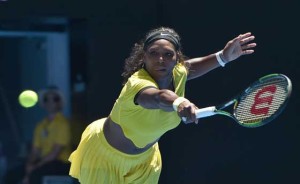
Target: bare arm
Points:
(51, 156)
(233, 49)
(152, 98)
(35, 161)
(202, 65)
(33, 156)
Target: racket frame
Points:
(278, 111)
(217, 110)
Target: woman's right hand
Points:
(188, 110)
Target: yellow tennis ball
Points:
(28, 98)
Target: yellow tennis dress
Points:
(95, 161)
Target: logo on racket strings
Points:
(261, 99)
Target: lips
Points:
(161, 69)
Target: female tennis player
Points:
(123, 147)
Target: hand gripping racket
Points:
(259, 104)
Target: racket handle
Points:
(204, 112)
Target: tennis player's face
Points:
(160, 59)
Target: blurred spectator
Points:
(51, 145)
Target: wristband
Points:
(220, 60)
(178, 101)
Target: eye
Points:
(153, 53)
(169, 54)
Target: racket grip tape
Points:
(204, 112)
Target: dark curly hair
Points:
(135, 61)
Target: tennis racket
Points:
(256, 106)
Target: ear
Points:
(142, 61)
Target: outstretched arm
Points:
(153, 98)
(240, 45)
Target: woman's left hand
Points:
(238, 46)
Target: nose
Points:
(160, 59)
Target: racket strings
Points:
(276, 81)
(247, 103)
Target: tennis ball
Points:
(28, 98)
